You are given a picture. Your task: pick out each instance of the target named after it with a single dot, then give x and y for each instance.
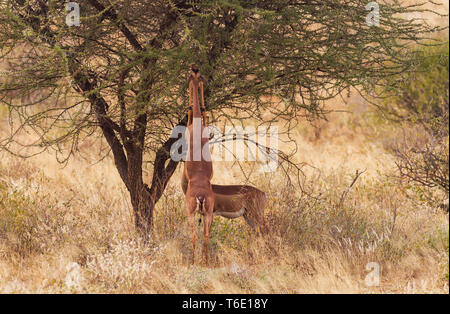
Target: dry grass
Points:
(70, 230)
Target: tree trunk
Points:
(143, 198)
(143, 205)
(129, 165)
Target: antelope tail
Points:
(200, 207)
(200, 203)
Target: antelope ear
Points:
(194, 75)
(194, 68)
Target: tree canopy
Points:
(124, 69)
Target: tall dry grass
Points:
(70, 230)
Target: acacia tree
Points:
(123, 69)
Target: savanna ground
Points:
(70, 229)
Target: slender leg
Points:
(263, 229)
(202, 95)
(203, 103)
(190, 94)
(207, 227)
(204, 118)
(250, 221)
(189, 117)
(191, 87)
(191, 218)
(256, 221)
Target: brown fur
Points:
(199, 195)
(229, 199)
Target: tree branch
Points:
(112, 15)
(107, 125)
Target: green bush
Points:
(421, 106)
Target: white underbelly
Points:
(231, 215)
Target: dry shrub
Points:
(421, 107)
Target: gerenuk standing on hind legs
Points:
(198, 166)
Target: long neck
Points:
(196, 104)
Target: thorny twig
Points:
(344, 194)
